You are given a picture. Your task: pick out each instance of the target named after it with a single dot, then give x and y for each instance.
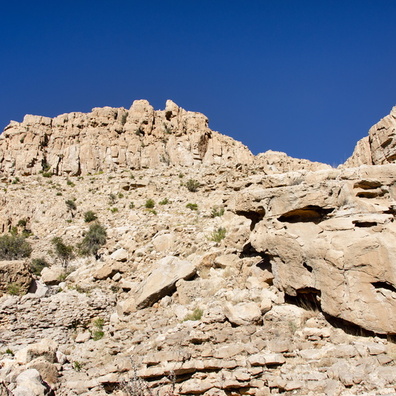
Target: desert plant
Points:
(112, 199)
(131, 205)
(95, 237)
(165, 201)
(218, 235)
(195, 315)
(90, 216)
(63, 251)
(192, 185)
(37, 265)
(71, 205)
(192, 206)
(217, 212)
(14, 289)
(113, 210)
(77, 366)
(70, 183)
(149, 204)
(14, 247)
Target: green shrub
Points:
(63, 251)
(192, 206)
(90, 216)
(70, 183)
(47, 174)
(195, 315)
(14, 247)
(9, 352)
(217, 212)
(95, 237)
(97, 335)
(192, 185)
(150, 204)
(71, 205)
(131, 205)
(77, 366)
(165, 201)
(113, 210)
(14, 289)
(22, 223)
(37, 265)
(218, 235)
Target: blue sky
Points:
(305, 77)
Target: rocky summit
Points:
(142, 253)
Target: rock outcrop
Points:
(108, 139)
(379, 147)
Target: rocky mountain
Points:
(145, 254)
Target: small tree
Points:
(14, 247)
(63, 251)
(71, 205)
(37, 265)
(93, 240)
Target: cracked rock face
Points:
(108, 139)
(333, 241)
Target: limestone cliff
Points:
(112, 138)
(109, 139)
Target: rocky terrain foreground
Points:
(143, 253)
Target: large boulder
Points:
(163, 279)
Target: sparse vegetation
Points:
(131, 205)
(112, 199)
(217, 212)
(95, 237)
(77, 366)
(14, 247)
(192, 185)
(114, 210)
(37, 265)
(192, 206)
(195, 315)
(71, 204)
(14, 289)
(63, 251)
(165, 201)
(70, 183)
(98, 332)
(90, 216)
(149, 204)
(218, 235)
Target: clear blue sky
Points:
(305, 77)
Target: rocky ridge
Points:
(295, 297)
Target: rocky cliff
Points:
(221, 273)
(109, 139)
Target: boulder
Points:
(163, 279)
